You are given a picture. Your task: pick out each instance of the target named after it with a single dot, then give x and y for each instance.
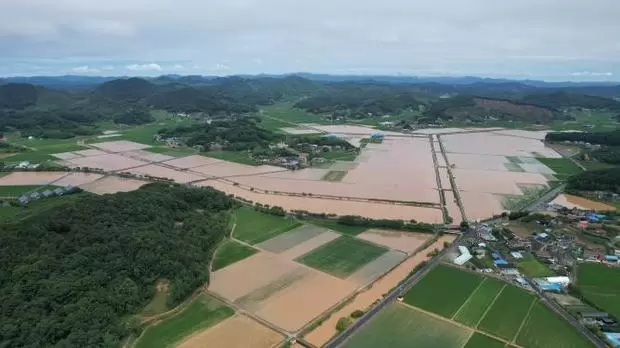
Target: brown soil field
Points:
(108, 162)
(309, 245)
(296, 305)
(112, 184)
(252, 273)
(255, 300)
(30, 178)
(163, 172)
(481, 205)
(485, 181)
(377, 267)
(225, 169)
(120, 146)
(486, 143)
(89, 152)
(66, 155)
(236, 332)
(338, 207)
(406, 242)
(147, 156)
(363, 300)
(478, 162)
(571, 201)
(192, 161)
(78, 179)
(291, 239)
(299, 130)
(306, 174)
(370, 190)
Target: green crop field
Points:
(532, 267)
(507, 313)
(472, 311)
(254, 227)
(398, 326)
(287, 113)
(202, 313)
(562, 166)
(478, 340)
(230, 252)
(342, 256)
(600, 284)
(17, 213)
(543, 329)
(443, 290)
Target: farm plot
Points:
(108, 162)
(192, 162)
(311, 244)
(473, 309)
(407, 242)
(290, 239)
(120, 146)
(147, 156)
(259, 272)
(600, 285)
(437, 292)
(238, 331)
(399, 326)
(77, 179)
(499, 145)
(342, 256)
(507, 313)
(562, 166)
(160, 171)
(377, 267)
(30, 178)
(230, 252)
(296, 305)
(254, 227)
(202, 313)
(543, 328)
(112, 184)
(479, 340)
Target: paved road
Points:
(392, 296)
(546, 198)
(554, 306)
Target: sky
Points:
(554, 40)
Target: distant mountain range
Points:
(74, 81)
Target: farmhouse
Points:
(464, 257)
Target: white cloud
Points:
(221, 67)
(590, 73)
(85, 69)
(144, 67)
(178, 67)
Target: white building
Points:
(464, 257)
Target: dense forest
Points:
(472, 108)
(234, 135)
(599, 138)
(562, 99)
(71, 276)
(361, 100)
(596, 180)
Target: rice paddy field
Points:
(230, 252)
(399, 326)
(202, 313)
(496, 313)
(439, 284)
(600, 284)
(254, 227)
(342, 256)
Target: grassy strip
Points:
(230, 252)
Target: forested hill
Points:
(72, 276)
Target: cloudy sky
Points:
(544, 39)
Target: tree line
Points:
(72, 276)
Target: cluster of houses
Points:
(36, 195)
